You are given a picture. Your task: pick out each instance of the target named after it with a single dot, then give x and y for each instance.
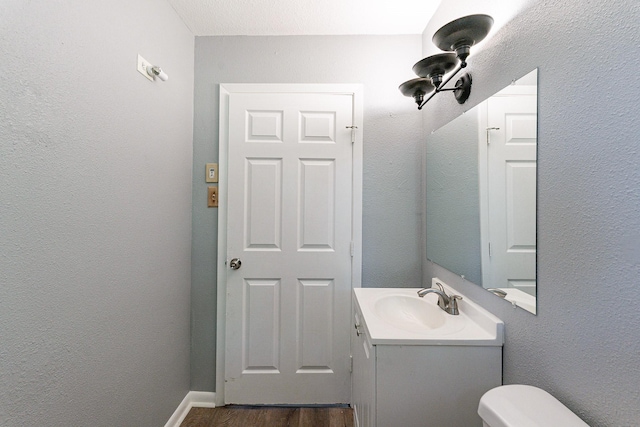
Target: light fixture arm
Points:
(155, 71)
(441, 88)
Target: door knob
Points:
(235, 263)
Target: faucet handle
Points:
(439, 285)
(453, 304)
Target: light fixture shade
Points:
(435, 66)
(416, 88)
(459, 35)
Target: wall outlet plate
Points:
(143, 64)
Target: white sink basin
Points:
(409, 312)
(397, 316)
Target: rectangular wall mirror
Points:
(481, 194)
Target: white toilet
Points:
(524, 406)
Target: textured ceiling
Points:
(310, 17)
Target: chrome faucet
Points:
(448, 303)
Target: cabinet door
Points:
(363, 378)
(434, 386)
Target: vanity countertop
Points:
(474, 326)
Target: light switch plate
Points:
(143, 64)
(212, 172)
(212, 197)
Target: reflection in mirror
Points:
(481, 194)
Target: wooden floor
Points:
(234, 416)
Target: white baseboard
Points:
(193, 399)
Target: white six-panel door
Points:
(511, 166)
(289, 222)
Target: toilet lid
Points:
(525, 406)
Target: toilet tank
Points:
(524, 406)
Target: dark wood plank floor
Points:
(234, 416)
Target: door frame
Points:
(226, 90)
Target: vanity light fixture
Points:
(457, 36)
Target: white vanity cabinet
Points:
(363, 376)
(419, 385)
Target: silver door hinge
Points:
(352, 249)
(488, 129)
(353, 133)
(350, 364)
(489, 249)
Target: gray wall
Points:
(584, 344)
(95, 213)
(392, 164)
